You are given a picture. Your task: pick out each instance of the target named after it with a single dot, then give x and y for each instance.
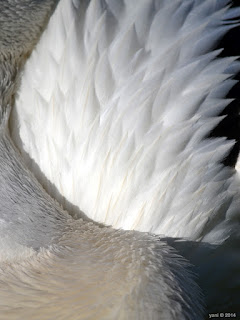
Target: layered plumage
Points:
(113, 113)
(124, 98)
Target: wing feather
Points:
(115, 106)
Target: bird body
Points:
(55, 267)
(112, 116)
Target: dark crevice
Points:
(229, 127)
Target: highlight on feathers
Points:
(122, 118)
(112, 116)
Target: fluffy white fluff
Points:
(55, 267)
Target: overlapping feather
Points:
(115, 105)
(113, 112)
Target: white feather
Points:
(114, 109)
(118, 113)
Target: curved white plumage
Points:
(114, 108)
(115, 104)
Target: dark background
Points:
(230, 126)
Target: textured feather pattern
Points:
(115, 105)
(113, 112)
(54, 267)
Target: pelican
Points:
(115, 201)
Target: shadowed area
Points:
(230, 126)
